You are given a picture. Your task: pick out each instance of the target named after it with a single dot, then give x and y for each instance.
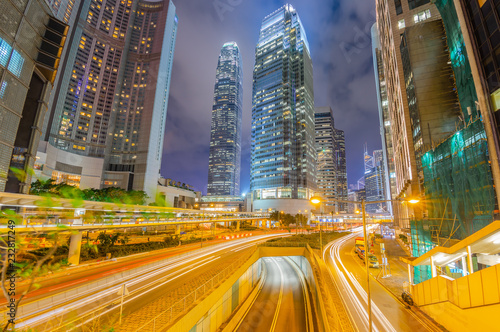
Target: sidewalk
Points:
(398, 270)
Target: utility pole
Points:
(363, 208)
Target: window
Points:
(422, 16)
(401, 24)
(5, 50)
(16, 63)
(399, 8)
(412, 4)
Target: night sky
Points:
(340, 42)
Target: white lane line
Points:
(278, 305)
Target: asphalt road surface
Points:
(280, 305)
(349, 274)
(143, 287)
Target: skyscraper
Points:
(109, 110)
(375, 183)
(341, 176)
(385, 119)
(326, 166)
(330, 166)
(225, 135)
(283, 151)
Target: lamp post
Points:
(317, 200)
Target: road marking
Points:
(278, 305)
(66, 285)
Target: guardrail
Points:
(99, 285)
(88, 226)
(177, 309)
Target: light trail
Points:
(280, 297)
(96, 294)
(354, 290)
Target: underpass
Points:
(281, 304)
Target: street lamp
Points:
(316, 201)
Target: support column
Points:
(464, 266)
(226, 224)
(410, 274)
(75, 245)
(470, 267)
(433, 268)
(237, 225)
(177, 229)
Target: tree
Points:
(18, 260)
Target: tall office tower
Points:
(385, 120)
(225, 135)
(283, 153)
(375, 184)
(326, 165)
(393, 17)
(112, 97)
(31, 40)
(341, 169)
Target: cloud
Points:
(339, 37)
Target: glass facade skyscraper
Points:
(283, 154)
(225, 134)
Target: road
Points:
(144, 286)
(280, 305)
(349, 274)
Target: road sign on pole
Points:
(123, 291)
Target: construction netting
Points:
(459, 192)
(458, 183)
(459, 60)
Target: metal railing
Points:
(180, 307)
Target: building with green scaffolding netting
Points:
(458, 183)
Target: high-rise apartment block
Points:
(225, 135)
(31, 41)
(283, 153)
(107, 120)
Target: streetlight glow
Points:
(413, 201)
(315, 200)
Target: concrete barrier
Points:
(213, 311)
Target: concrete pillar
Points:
(433, 268)
(75, 245)
(464, 266)
(410, 274)
(177, 229)
(238, 225)
(470, 267)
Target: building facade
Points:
(283, 154)
(107, 121)
(385, 120)
(31, 41)
(393, 17)
(225, 136)
(326, 166)
(375, 183)
(341, 169)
